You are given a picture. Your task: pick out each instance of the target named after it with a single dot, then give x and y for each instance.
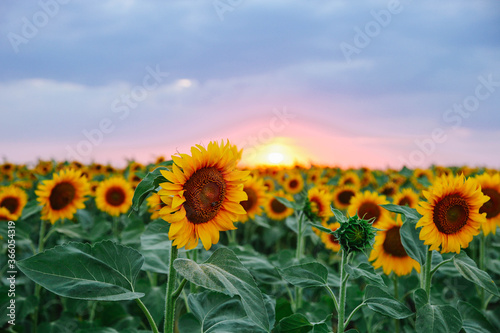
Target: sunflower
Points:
(207, 191)
(275, 209)
(14, 199)
(406, 197)
(389, 189)
(331, 242)
(490, 186)
(318, 204)
(114, 196)
(451, 216)
(367, 206)
(314, 176)
(155, 204)
(342, 196)
(294, 183)
(269, 184)
(5, 215)
(388, 251)
(63, 195)
(350, 178)
(256, 192)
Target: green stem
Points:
(482, 264)
(439, 265)
(169, 300)
(298, 255)
(38, 288)
(231, 236)
(396, 296)
(192, 287)
(93, 305)
(428, 275)
(352, 314)
(343, 287)
(333, 297)
(151, 321)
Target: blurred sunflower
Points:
(62, 196)
(318, 204)
(350, 178)
(389, 189)
(490, 186)
(451, 216)
(207, 191)
(406, 197)
(269, 184)
(14, 199)
(388, 251)
(314, 176)
(155, 204)
(331, 242)
(294, 183)
(114, 196)
(256, 192)
(342, 196)
(367, 206)
(5, 215)
(275, 209)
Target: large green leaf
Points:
(438, 319)
(105, 271)
(382, 302)
(217, 313)
(224, 273)
(473, 320)
(306, 275)
(258, 265)
(146, 186)
(409, 213)
(468, 269)
(298, 323)
(365, 271)
(420, 298)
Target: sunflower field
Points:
(197, 244)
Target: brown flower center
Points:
(115, 196)
(405, 201)
(345, 196)
(205, 193)
(388, 191)
(61, 195)
(251, 201)
(492, 206)
(392, 243)
(451, 214)
(277, 206)
(294, 183)
(369, 210)
(11, 203)
(316, 205)
(333, 239)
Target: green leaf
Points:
(473, 320)
(215, 312)
(298, 323)
(312, 274)
(382, 302)
(414, 247)
(31, 208)
(320, 227)
(154, 300)
(468, 269)
(409, 213)
(224, 273)
(367, 272)
(146, 186)
(258, 265)
(105, 271)
(420, 298)
(341, 218)
(438, 319)
(287, 203)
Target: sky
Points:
(365, 83)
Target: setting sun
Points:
(278, 151)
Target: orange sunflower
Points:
(388, 251)
(256, 192)
(276, 210)
(367, 206)
(155, 204)
(62, 196)
(331, 242)
(451, 216)
(114, 196)
(14, 199)
(207, 191)
(342, 196)
(294, 183)
(490, 186)
(406, 197)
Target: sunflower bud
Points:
(355, 234)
